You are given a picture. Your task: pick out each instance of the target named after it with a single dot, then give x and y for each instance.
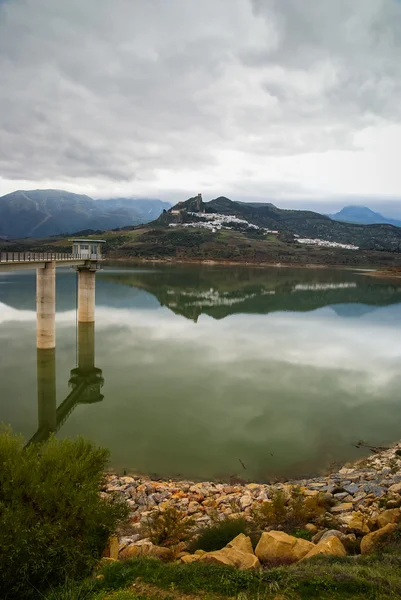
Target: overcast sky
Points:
(283, 100)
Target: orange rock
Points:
(330, 546)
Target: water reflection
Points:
(85, 382)
(283, 369)
(220, 292)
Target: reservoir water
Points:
(213, 372)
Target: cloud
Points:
(238, 96)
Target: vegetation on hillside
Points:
(305, 223)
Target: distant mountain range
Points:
(41, 213)
(362, 215)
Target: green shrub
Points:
(53, 522)
(168, 527)
(289, 512)
(219, 534)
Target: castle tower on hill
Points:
(198, 202)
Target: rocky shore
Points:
(361, 499)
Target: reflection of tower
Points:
(86, 373)
(86, 382)
(46, 384)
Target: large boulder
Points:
(238, 553)
(231, 557)
(190, 558)
(393, 515)
(371, 541)
(242, 543)
(146, 548)
(281, 548)
(330, 546)
(355, 522)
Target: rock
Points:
(345, 471)
(279, 547)
(106, 560)
(341, 508)
(372, 540)
(393, 504)
(146, 548)
(112, 548)
(164, 554)
(232, 557)
(355, 522)
(318, 536)
(352, 488)
(389, 516)
(190, 558)
(342, 496)
(245, 501)
(395, 488)
(242, 543)
(311, 528)
(200, 552)
(193, 507)
(330, 546)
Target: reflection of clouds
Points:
(314, 339)
(317, 339)
(191, 398)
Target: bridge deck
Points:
(25, 260)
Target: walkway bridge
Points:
(85, 379)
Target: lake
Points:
(215, 372)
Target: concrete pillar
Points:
(46, 306)
(86, 346)
(46, 382)
(86, 295)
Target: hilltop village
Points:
(212, 221)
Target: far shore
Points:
(373, 271)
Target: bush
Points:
(53, 522)
(219, 534)
(289, 512)
(168, 527)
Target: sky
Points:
(287, 101)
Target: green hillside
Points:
(306, 224)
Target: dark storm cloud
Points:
(120, 90)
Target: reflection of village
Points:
(219, 293)
(85, 382)
(215, 298)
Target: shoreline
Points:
(238, 263)
(358, 493)
(373, 271)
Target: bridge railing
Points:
(12, 257)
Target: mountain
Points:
(41, 213)
(362, 215)
(290, 223)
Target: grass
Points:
(376, 577)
